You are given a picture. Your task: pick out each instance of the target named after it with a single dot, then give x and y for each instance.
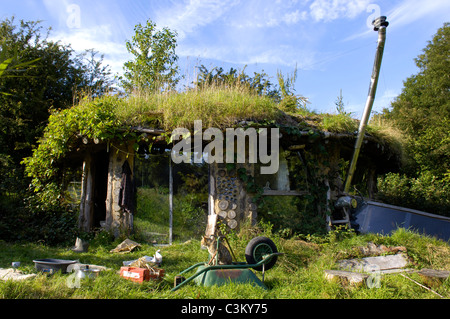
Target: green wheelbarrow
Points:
(261, 254)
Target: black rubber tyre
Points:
(257, 248)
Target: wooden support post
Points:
(117, 219)
(170, 201)
(85, 219)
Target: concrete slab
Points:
(370, 264)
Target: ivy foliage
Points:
(92, 120)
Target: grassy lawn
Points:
(299, 274)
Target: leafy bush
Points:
(24, 224)
(425, 192)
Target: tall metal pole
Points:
(380, 25)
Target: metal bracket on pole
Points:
(380, 24)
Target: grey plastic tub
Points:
(53, 265)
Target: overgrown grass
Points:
(388, 135)
(215, 106)
(299, 274)
(223, 106)
(338, 123)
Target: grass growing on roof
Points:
(215, 106)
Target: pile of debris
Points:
(377, 263)
(138, 270)
(141, 269)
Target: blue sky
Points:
(330, 41)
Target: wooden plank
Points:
(211, 225)
(86, 216)
(340, 221)
(296, 147)
(152, 131)
(432, 277)
(272, 192)
(440, 274)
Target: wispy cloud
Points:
(100, 39)
(294, 17)
(105, 32)
(187, 16)
(57, 9)
(255, 31)
(405, 13)
(384, 100)
(242, 32)
(410, 11)
(268, 14)
(328, 10)
(281, 32)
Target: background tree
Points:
(154, 66)
(96, 77)
(38, 76)
(422, 112)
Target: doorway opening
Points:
(100, 164)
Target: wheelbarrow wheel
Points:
(257, 248)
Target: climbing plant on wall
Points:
(306, 174)
(91, 120)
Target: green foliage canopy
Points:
(38, 76)
(422, 110)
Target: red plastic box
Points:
(135, 274)
(140, 274)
